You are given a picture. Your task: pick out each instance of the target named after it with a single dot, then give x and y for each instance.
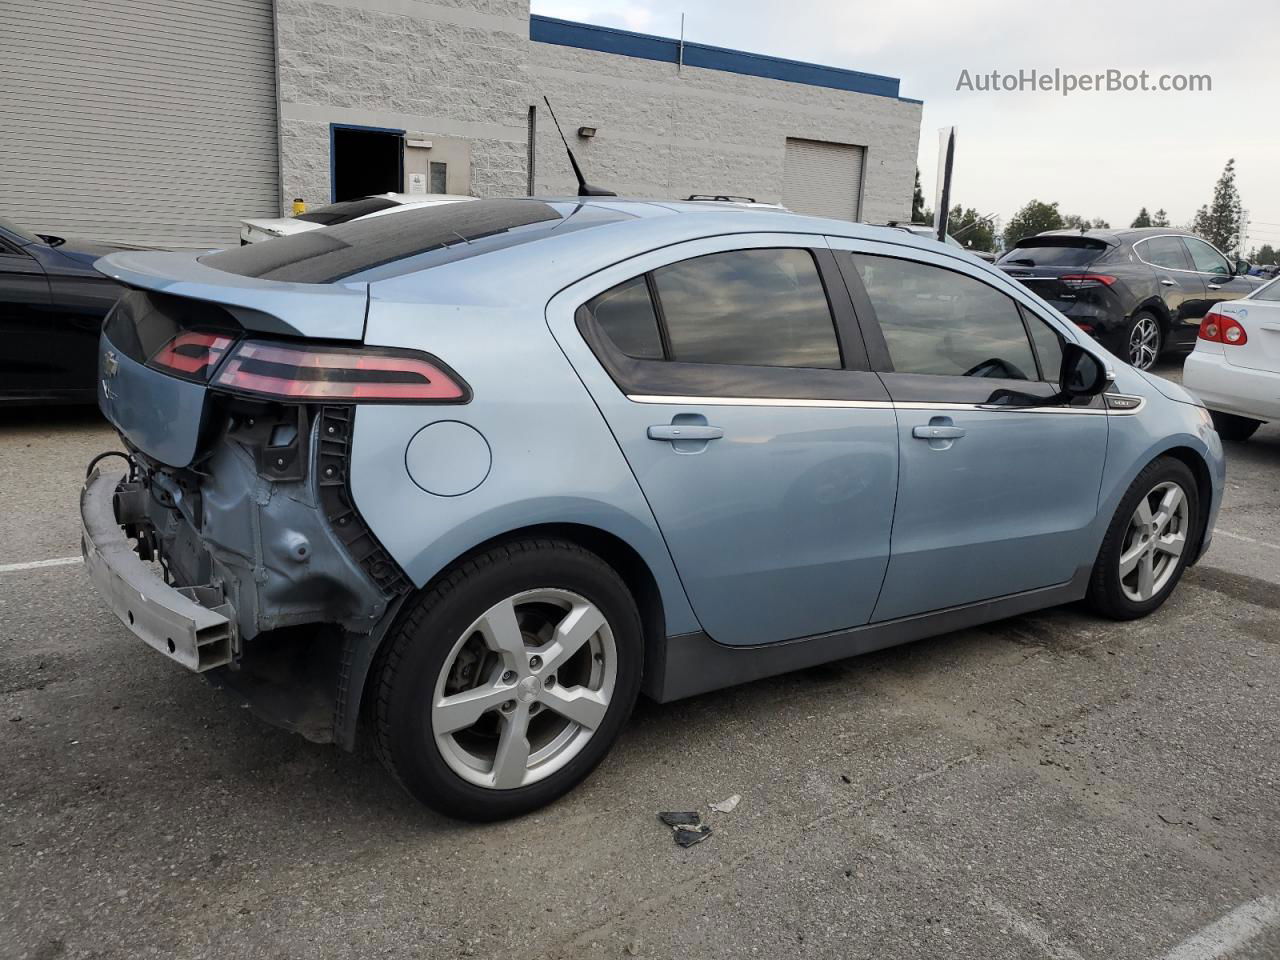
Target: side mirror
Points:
(1083, 374)
(1243, 267)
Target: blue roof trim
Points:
(644, 46)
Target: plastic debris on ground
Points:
(687, 827)
(727, 806)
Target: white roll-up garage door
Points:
(822, 179)
(145, 121)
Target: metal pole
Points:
(680, 55)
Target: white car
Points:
(1235, 366)
(257, 230)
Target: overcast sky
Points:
(1097, 154)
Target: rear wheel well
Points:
(613, 550)
(1204, 487)
(1157, 308)
(620, 555)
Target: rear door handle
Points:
(684, 431)
(930, 432)
(1215, 286)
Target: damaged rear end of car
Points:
(231, 541)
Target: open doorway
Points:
(365, 161)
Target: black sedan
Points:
(52, 303)
(1139, 292)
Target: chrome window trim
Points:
(761, 402)
(864, 404)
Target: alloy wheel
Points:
(1144, 342)
(1154, 542)
(524, 688)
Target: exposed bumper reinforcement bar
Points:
(195, 626)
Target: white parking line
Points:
(37, 564)
(1241, 536)
(1222, 937)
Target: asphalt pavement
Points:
(1051, 786)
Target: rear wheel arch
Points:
(618, 554)
(1157, 307)
(624, 559)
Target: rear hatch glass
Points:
(1039, 263)
(345, 210)
(377, 248)
(1054, 252)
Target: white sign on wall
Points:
(418, 183)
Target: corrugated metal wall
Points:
(148, 121)
(822, 179)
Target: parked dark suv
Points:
(1138, 292)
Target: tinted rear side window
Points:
(751, 307)
(625, 313)
(1054, 252)
(345, 210)
(1165, 252)
(407, 241)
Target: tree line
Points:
(1219, 221)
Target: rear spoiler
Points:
(321, 310)
(1064, 240)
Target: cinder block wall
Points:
(467, 68)
(451, 68)
(669, 134)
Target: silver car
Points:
(471, 479)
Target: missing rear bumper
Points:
(193, 625)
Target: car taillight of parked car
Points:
(1080, 281)
(287, 372)
(1217, 327)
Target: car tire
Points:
(1144, 340)
(449, 644)
(1231, 427)
(1121, 589)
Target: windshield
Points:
(25, 235)
(1055, 252)
(346, 210)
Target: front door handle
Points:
(684, 431)
(940, 432)
(1166, 282)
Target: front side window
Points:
(1207, 259)
(1048, 344)
(1165, 252)
(751, 307)
(940, 322)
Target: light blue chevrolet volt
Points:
(472, 478)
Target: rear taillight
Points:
(1218, 327)
(368, 374)
(1079, 281)
(191, 354)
